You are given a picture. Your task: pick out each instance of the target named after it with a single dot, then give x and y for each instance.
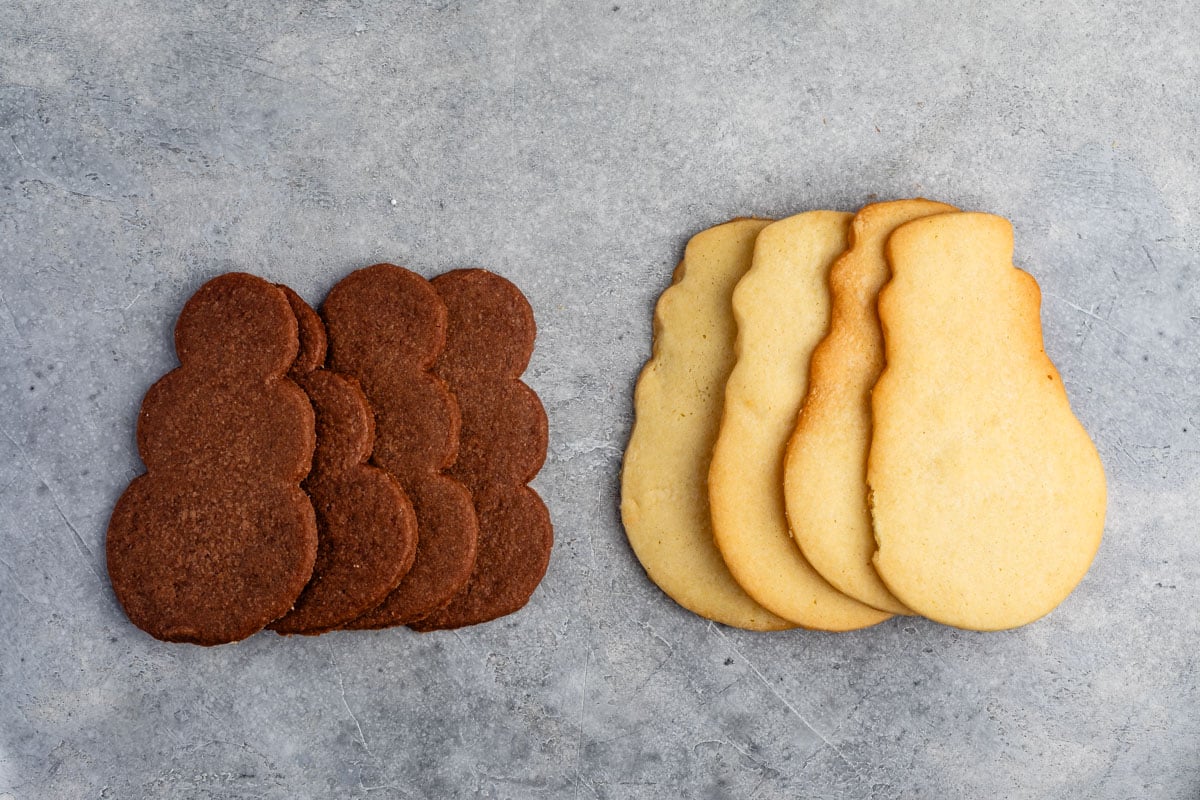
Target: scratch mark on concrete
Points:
(84, 551)
(13, 319)
(1091, 314)
(362, 739)
(16, 583)
(783, 700)
(658, 668)
(1150, 258)
(10, 482)
(746, 754)
(129, 305)
(579, 738)
(392, 786)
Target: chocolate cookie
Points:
(502, 443)
(386, 327)
(366, 529)
(217, 539)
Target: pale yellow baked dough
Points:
(825, 473)
(677, 408)
(782, 310)
(988, 497)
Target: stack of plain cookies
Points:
(851, 416)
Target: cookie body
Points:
(386, 328)
(677, 411)
(988, 497)
(217, 539)
(366, 528)
(502, 443)
(825, 473)
(781, 307)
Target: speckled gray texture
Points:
(146, 145)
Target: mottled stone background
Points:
(146, 145)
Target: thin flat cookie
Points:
(217, 539)
(490, 337)
(677, 409)
(387, 327)
(987, 496)
(781, 306)
(825, 473)
(366, 529)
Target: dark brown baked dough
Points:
(502, 444)
(217, 539)
(366, 529)
(386, 327)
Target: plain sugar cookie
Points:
(781, 307)
(677, 409)
(825, 474)
(988, 497)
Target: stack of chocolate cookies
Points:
(364, 467)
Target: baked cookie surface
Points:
(988, 497)
(366, 529)
(677, 410)
(503, 441)
(781, 307)
(825, 473)
(217, 539)
(387, 327)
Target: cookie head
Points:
(493, 328)
(237, 323)
(384, 314)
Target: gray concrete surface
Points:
(146, 145)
